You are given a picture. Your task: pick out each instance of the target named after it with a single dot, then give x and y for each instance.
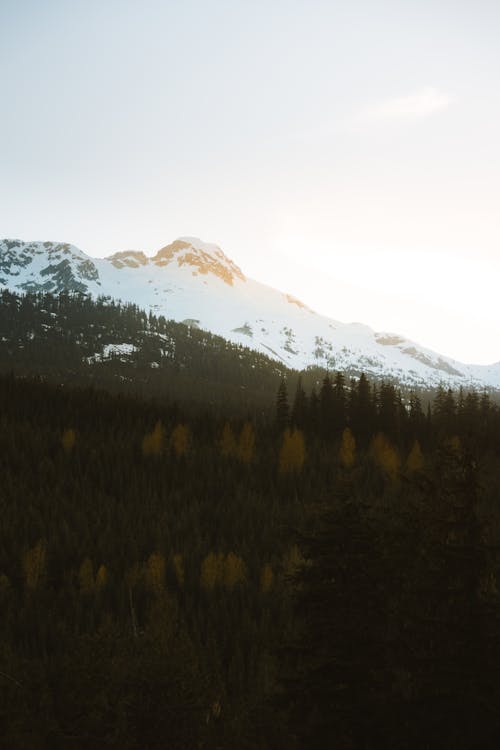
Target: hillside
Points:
(72, 338)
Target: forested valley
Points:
(315, 568)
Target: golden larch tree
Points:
(68, 440)
(154, 573)
(153, 442)
(212, 570)
(266, 578)
(415, 461)
(293, 560)
(234, 571)
(246, 444)
(347, 453)
(228, 446)
(385, 455)
(454, 445)
(179, 440)
(34, 564)
(292, 453)
(101, 578)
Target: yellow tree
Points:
(101, 578)
(246, 444)
(180, 440)
(415, 461)
(293, 560)
(234, 571)
(454, 445)
(347, 453)
(155, 573)
(266, 578)
(68, 440)
(385, 455)
(212, 570)
(292, 453)
(34, 564)
(86, 576)
(228, 445)
(153, 442)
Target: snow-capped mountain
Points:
(196, 283)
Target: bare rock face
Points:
(130, 258)
(201, 258)
(45, 267)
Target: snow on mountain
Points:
(196, 283)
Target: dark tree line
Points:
(369, 407)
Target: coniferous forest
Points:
(315, 567)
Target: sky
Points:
(347, 152)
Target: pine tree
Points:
(453, 619)
(339, 404)
(282, 407)
(363, 411)
(300, 407)
(326, 408)
(336, 683)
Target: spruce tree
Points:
(282, 407)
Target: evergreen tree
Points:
(282, 407)
(326, 414)
(337, 688)
(300, 407)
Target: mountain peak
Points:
(201, 257)
(130, 258)
(46, 266)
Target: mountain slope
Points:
(75, 339)
(196, 283)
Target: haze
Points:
(347, 153)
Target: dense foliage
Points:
(320, 570)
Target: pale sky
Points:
(347, 152)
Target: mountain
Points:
(194, 282)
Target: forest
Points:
(319, 573)
(76, 340)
